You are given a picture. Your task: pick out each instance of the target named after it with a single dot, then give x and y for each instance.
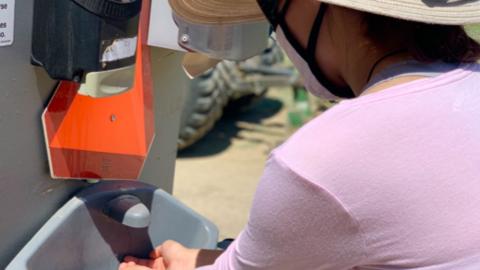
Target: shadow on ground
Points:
(220, 138)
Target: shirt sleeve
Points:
(294, 224)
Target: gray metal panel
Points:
(100, 242)
(28, 197)
(170, 86)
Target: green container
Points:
(300, 112)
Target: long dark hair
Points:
(426, 42)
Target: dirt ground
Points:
(218, 176)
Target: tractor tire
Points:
(209, 94)
(204, 106)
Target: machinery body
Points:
(28, 195)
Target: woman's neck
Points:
(354, 58)
(367, 67)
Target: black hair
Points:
(426, 42)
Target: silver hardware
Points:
(185, 38)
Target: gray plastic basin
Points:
(81, 236)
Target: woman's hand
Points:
(132, 263)
(169, 256)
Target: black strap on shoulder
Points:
(112, 9)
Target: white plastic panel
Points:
(7, 14)
(163, 32)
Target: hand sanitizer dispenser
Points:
(92, 42)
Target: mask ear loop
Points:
(271, 11)
(315, 32)
(343, 92)
(279, 17)
(283, 12)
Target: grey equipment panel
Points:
(85, 235)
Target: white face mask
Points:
(304, 59)
(310, 81)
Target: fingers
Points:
(132, 263)
(156, 253)
(141, 262)
(159, 264)
(167, 247)
(132, 266)
(160, 258)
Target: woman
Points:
(388, 179)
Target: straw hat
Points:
(453, 12)
(217, 11)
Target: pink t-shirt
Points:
(389, 180)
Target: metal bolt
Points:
(185, 38)
(113, 118)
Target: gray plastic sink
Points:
(107, 221)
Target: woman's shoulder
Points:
(322, 141)
(351, 121)
(362, 129)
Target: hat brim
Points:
(427, 11)
(196, 64)
(218, 11)
(241, 11)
